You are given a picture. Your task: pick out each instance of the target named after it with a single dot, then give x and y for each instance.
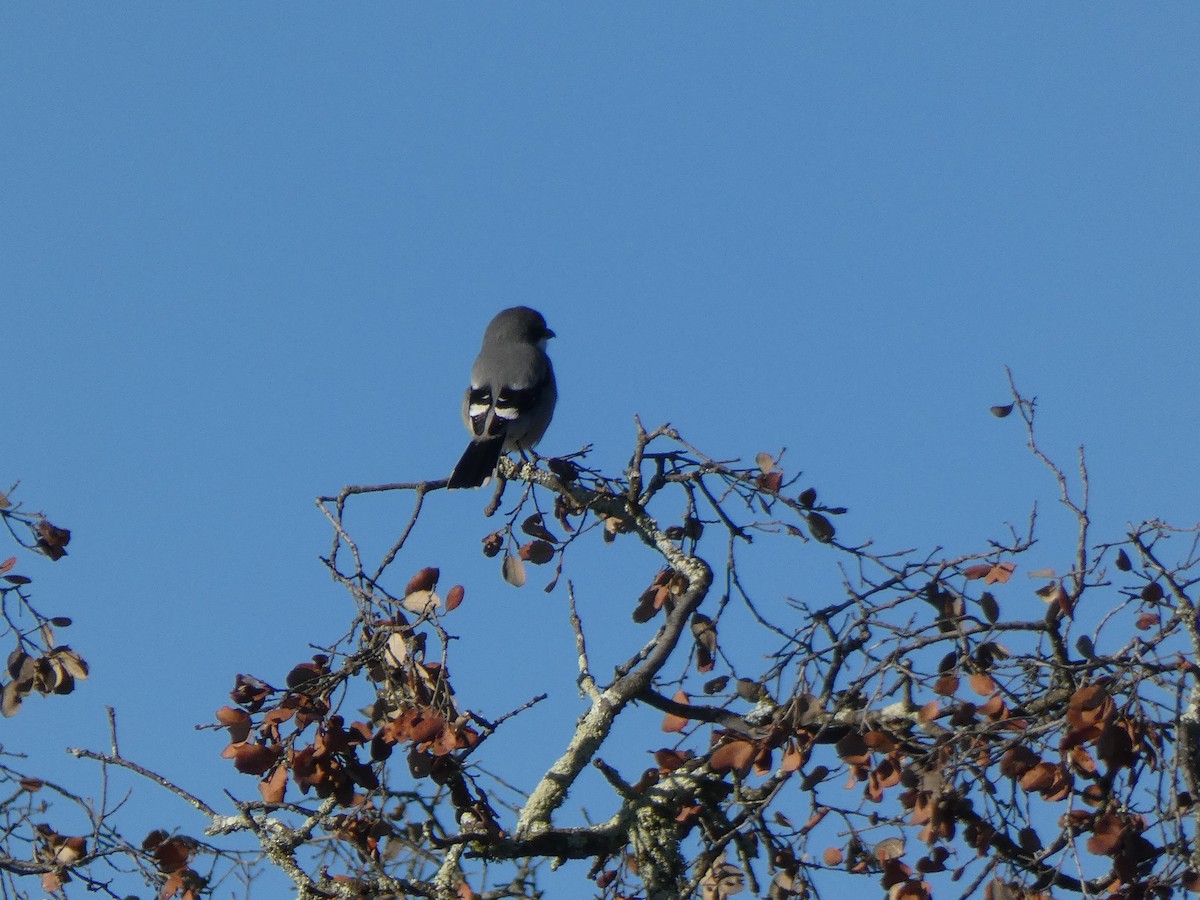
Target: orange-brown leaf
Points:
(1146, 621)
(272, 788)
(733, 756)
(425, 580)
(237, 721)
(172, 854)
(1039, 778)
(929, 712)
(910, 890)
(254, 759)
(669, 760)
(853, 749)
(672, 722)
(946, 685)
(52, 541)
(537, 552)
(1107, 837)
(1081, 761)
(982, 684)
(1017, 761)
(771, 481)
(793, 758)
(1000, 573)
(879, 741)
(419, 726)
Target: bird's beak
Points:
(549, 334)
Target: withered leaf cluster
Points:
(1017, 721)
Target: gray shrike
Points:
(511, 398)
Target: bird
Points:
(511, 398)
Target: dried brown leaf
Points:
(879, 741)
(669, 760)
(1000, 573)
(303, 673)
(888, 848)
(989, 607)
(1017, 761)
(750, 691)
(733, 756)
(793, 758)
(995, 708)
(425, 580)
(395, 650)
(946, 685)
(770, 482)
(237, 721)
(513, 571)
(716, 685)
(51, 540)
(820, 528)
(566, 470)
(853, 749)
(421, 602)
(493, 544)
(537, 552)
(10, 699)
(982, 684)
(672, 722)
(929, 712)
(254, 759)
(274, 787)
(814, 777)
(535, 527)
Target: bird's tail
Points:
(477, 464)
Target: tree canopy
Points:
(919, 724)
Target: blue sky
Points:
(246, 258)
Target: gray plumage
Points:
(512, 394)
